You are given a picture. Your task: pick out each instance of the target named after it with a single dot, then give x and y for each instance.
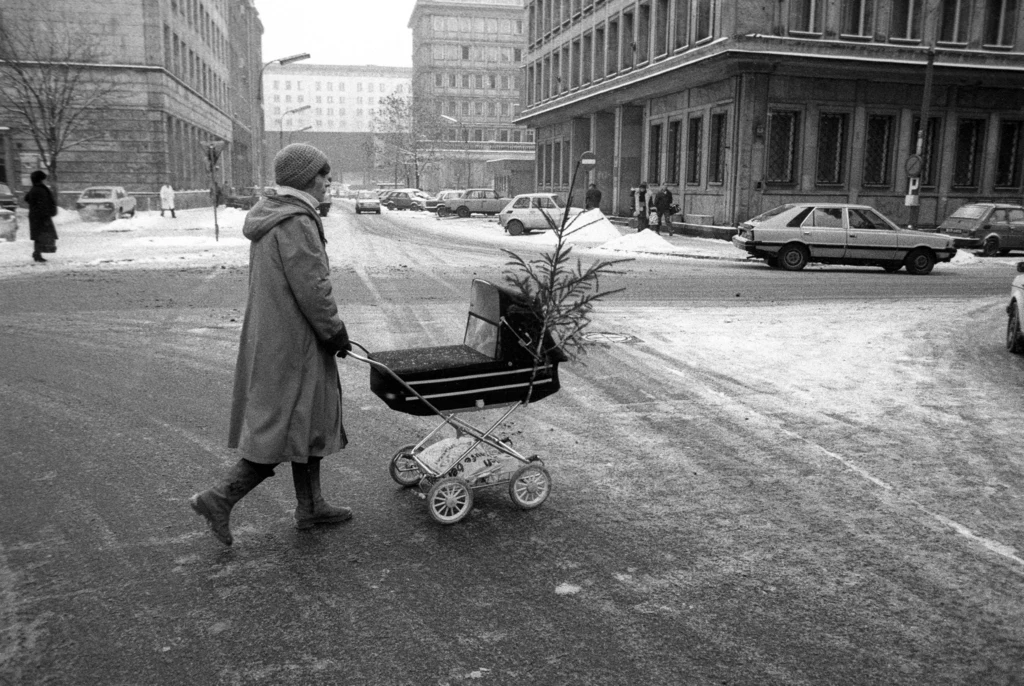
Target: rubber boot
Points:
(216, 503)
(312, 508)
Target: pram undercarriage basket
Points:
(494, 367)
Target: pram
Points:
(493, 368)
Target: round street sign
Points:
(914, 165)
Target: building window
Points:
(805, 15)
(465, 51)
(694, 143)
(643, 33)
(654, 154)
(492, 81)
(318, 85)
(628, 44)
(906, 19)
(662, 27)
(675, 134)
(702, 19)
(954, 20)
(547, 163)
(783, 137)
(970, 137)
(465, 81)
(479, 81)
(930, 149)
(565, 163)
(831, 149)
(1000, 17)
(1008, 157)
(438, 80)
(716, 148)
(878, 150)
(858, 16)
(517, 55)
(613, 48)
(453, 81)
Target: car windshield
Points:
(969, 212)
(4, 190)
(764, 216)
(96, 193)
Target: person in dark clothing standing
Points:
(642, 207)
(42, 208)
(593, 197)
(663, 205)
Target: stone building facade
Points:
(741, 105)
(467, 75)
(186, 73)
(337, 105)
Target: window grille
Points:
(1008, 157)
(675, 133)
(695, 133)
(878, 151)
(716, 150)
(970, 134)
(782, 146)
(831, 149)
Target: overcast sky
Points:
(338, 31)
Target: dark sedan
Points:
(996, 228)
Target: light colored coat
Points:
(287, 395)
(166, 197)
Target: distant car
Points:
(8, 224)
(406, 199)
(534, 211)
(437, 202)
(1015, 314)
(475, 201)
(996, 228)
(367, 201)
(105, 203)
(8, 201)
(790, 236)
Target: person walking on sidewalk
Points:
(286, 405)
(642, 207)
(167, 200)
(663, 205)
(593, 197)
(42, 208)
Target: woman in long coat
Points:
(287, 394)
(42, 208)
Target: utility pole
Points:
(916, 163)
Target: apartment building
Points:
(741, 105)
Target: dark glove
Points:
(339, 342)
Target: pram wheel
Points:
(530, 486)
(403, 469)
(449, 500)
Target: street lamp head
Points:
(293, 58)
(451, 119)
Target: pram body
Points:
(494, 367)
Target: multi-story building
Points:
(467, 81)
(333, 107)
(183, 75)
(741, 105)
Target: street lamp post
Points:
(259, 99)
(465, 147)
(587, 160)
(280, 124)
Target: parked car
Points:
(475, 201)
(8, 224)
(406, 199)
(325, 204)
(1015, 314)
(437, 202)
(534, 211)
(105, 203)
(243, 199)
(792, 235)
(367, 201)
(996, 228)
(8, 201)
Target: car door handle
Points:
(853, 235)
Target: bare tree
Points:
(407, 132)
(49, 84)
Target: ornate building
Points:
(467, 78)
(185, 74)
(739, 106)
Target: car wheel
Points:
(463, 212)
(1013, 333)
(990, 248)
(515, 228)
(920, 262)
(378, 210)
(132, 213)
(892, 267)
(442, 211)
(357, 211)
(793, 257)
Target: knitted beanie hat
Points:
(296, 165)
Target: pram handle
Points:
(387, 370)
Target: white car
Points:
(474, 201)
(534, 211)
(1015, 314)
(8, 224)
(790, 236)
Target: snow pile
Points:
(590, 227)
(643, 241)
(964, 257)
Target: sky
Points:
(350, 32)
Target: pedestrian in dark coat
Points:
(642, 207)
(287, 394)
(42, 208)
(663, 205)
(593, 197)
